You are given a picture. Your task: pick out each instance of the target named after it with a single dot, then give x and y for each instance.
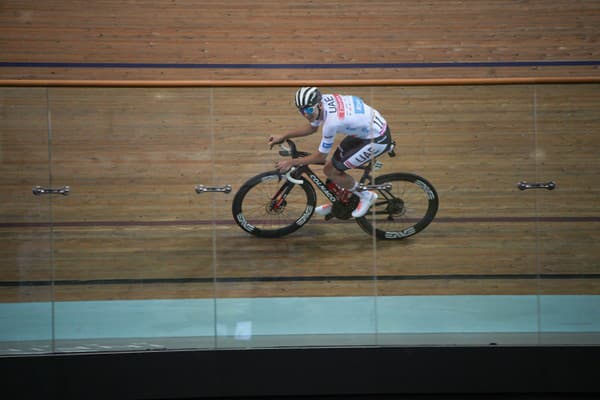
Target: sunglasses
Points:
(307, 110)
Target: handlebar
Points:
(292, 150)
(285, 151)
(288, 176)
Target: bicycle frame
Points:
(285, 189)
(276, 220)
(306, 170)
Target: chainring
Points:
(343, 210)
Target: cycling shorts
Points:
(354, 152)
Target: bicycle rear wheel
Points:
(404, 210)
(269, 206)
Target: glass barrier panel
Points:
(26, 275)
(310, 287)
(133, 243)
(161, 223)
(567, 127)
(470, 276)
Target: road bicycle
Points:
(275, 204)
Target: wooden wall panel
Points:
(288, 32)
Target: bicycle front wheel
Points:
(269, 206)
(402, 211)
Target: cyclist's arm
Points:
(306, 130)
(315, 158)
(326, 143)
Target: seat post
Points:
(366, 176)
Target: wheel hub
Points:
(395, 207)
(276, 206)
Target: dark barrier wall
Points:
(343, 372)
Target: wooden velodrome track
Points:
(133, 227)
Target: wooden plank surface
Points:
(134, 228)
(275, 32)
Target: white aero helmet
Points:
(308, 97)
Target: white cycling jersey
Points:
(348, 115)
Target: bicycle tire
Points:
(253, 209)
(405, 210)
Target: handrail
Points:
(298, 82)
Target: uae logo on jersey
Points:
(340, 103)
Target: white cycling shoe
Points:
(367, 199)
(323, 210)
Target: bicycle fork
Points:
(278, 203)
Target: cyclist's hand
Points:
(283, 166)
(273, 140)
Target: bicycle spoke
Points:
(268, 206)
(403, 210)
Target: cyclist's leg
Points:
(360, 152)
(357, 152)
(340, 177)
(335, 169)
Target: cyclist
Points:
(368, 136)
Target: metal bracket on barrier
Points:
(38, 190)
(525, 186)
(219, 189)
(382, 186)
